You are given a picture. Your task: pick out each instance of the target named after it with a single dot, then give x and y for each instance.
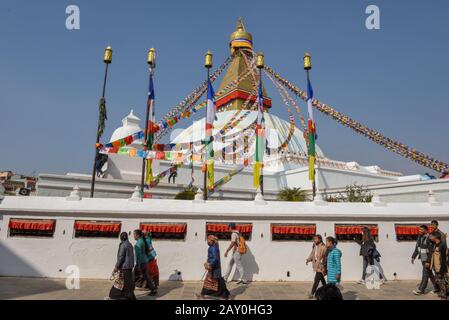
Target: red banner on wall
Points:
(32, 224)
(97, 226)
(223, 227)
(294, 229)
(163, 228)
(355, 229)
(408, 230)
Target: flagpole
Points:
(260, 66)
(207, 65)
(107, 58)
(192, 170)
(314, 181)
(151, 60)
(307, 67)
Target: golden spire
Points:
(240, 38)
(240, 25)
(245, 89)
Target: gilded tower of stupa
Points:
(241, 43)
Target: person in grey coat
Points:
(124, 265)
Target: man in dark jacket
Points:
(438, 264)
(435, 229)
(423, 252)
(124, 265)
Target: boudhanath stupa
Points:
(285, 158)
(287, 167)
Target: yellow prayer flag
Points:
(210, 174)
(257, 171)
(311, 168)
(149, 171)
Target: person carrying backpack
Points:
(238, 248)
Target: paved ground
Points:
(55, 289)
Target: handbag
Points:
(210, 283)
(118, 279)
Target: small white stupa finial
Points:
(431, 199)
(376, 200)
(258, 199)
(199, 196)
(136, 196)
(319, 200)
(75, 195)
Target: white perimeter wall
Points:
(267, 260)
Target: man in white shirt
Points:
(236, 257)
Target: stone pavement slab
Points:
(55, 289)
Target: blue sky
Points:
(394, 80)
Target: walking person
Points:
(435, 229)
(152, 266)
(173, 174)
(214, 284)
(438, 263)
(333, 261)
(317, 257)
(423, 252)
(238, 248)
(141, 252)
(123, 289)
(369, 253)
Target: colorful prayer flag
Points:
(210, 174)
(260, 140)
(256, 177)
(210, 117)
(150, 106)
(312, 136)
(149, 171)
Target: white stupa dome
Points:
(277, 131)
(130, 125)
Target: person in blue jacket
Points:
(214, 284)
(333, 261)
(141, 253)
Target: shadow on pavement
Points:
(164, 289)
(240, 289)
(350, 295)
(15, 288)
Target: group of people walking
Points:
(326, 262)
(137, 266)
(431, 250)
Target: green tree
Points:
(186, 194)
(352, 193)
(292, 194)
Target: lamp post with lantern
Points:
(260, 64)
(149, 128)
(307, 67)
(107, 59)
(207, 65)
